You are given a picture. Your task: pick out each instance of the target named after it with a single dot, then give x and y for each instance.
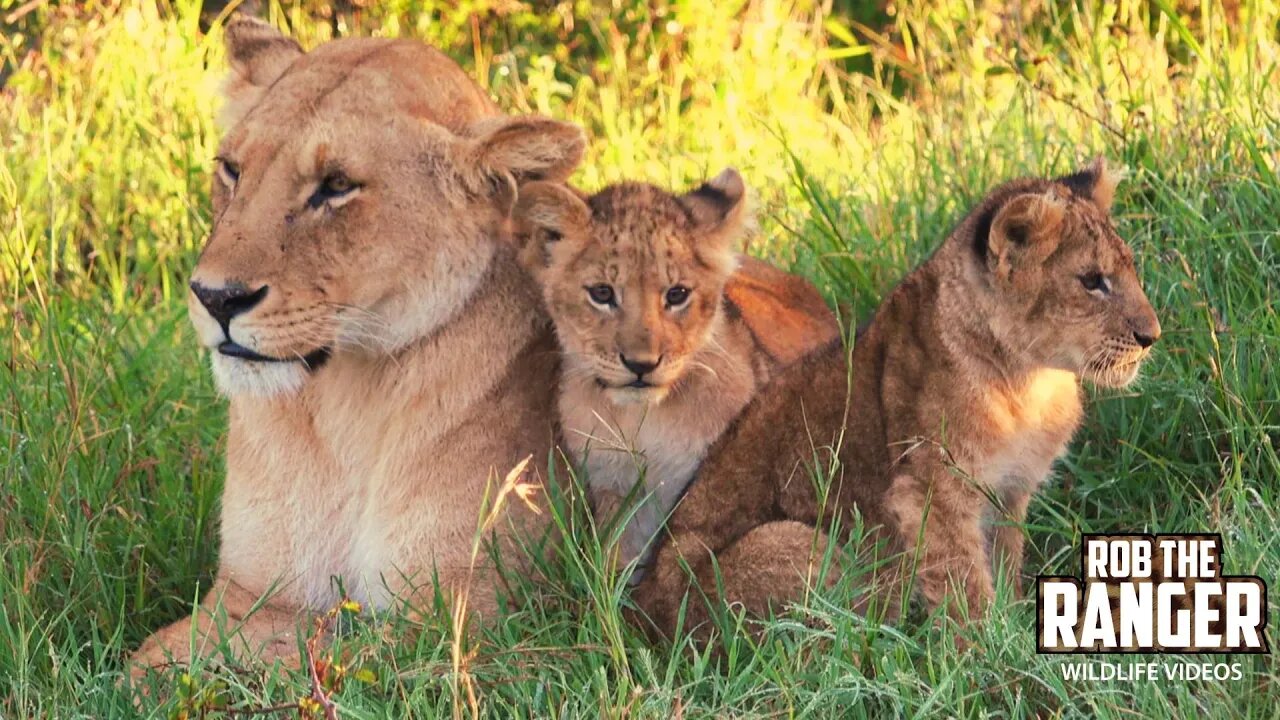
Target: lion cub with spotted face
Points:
(658, 359)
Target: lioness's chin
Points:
(235, 376)
(651, 395)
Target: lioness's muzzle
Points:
(311, 360)
(226, 302)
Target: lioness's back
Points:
(784, 312)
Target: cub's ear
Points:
(547, 215)
(523, 148)
(258, 55)
(1097, 182)
(1024, 226)
(718, 208)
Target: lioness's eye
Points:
(1095, 282)
(228, 172)
(601, 295)
(677, 295)
(334, 186)
(337, 184)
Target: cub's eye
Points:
(228, 172)
(602, 295)
(1096, 282)
(334, 186)
(677, 295)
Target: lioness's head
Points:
(632, 277)
(1067, 293)
(359, 193)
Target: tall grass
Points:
(863, 144)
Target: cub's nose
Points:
(1146, 333)
(640, 367)
(227, 302)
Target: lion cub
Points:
(958, 398)
(659, 356)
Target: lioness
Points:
(658, 357)
(962, 391)
(384, 354)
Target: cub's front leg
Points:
(608, 509)
(937, 520)
(252, 629)
(769, 567)
(1008, 538)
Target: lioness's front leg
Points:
(938, 522)
(226, 617)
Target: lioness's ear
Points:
(525, 148)
(1022, 226)
(1096, 182)
(546, 216)
(258, 55)
(717, 208)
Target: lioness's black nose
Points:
(1146, 341)
(225, 303)
(640, 367)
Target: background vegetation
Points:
(866, 130)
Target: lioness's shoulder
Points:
(783, 312)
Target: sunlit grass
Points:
(110, 450)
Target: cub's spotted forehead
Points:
(638, 205)
(637, 217)
(638, 231)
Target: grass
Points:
(864, 146)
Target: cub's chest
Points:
(1022, 432)
(616, 442)
(621, 446)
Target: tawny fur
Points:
(371, 468)
(639, 446)
(961, 393)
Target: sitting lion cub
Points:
(658, 358)
(960, 395)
